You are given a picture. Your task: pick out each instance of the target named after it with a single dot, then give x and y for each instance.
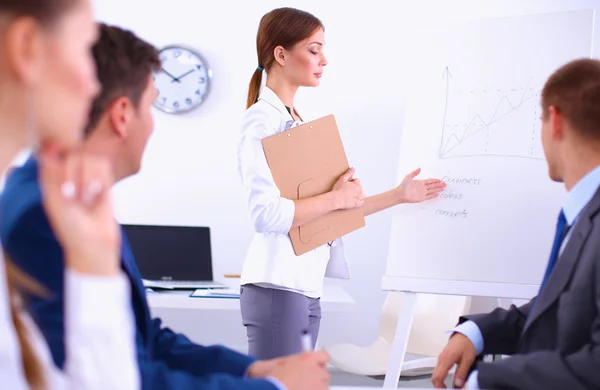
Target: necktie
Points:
(561, 231)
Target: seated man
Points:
(119, 127)
(554, 338)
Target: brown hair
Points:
(124, 62)
(47, 13)
(44, 11)
(19, 282)
(283, 27)
(574, 91)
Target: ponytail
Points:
(254, 88)
(283, 27)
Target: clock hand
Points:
(183, 75)
(171, 76)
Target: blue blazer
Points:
(167, 360)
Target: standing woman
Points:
(48, 80)
(280, 294)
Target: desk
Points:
(219, 320)
(335, 298)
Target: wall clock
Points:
(183, 81)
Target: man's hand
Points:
(460, 350)
(305, 371)
(264, 368)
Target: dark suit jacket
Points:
(167, 360)
(554, 339)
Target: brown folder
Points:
(306, 161)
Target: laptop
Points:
(173, 257)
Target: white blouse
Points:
(99, 337)
(271, 260)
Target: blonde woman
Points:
(48, 81)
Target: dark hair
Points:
(44, 11)
(574, 91)
(283, 27)
(124, 62)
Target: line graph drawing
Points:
(490, 122)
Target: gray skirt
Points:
(275, 320)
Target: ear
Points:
(557, 123)
(279, 54)
(24, 45)
(120, 114)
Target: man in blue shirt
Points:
(553, 340)
(119, 127)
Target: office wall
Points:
(189, 174)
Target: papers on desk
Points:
(231, 293)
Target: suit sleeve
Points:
(31, 245)
(181, 354)
(158, 376)
(576, 370)
(545, 369)
(86, 320)
(501, 328)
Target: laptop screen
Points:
(171, 253)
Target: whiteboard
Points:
(472, 119)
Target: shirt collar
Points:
(581, 194)
(269, 96)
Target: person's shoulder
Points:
(21, 195)
(261, 119)
(263, 109)
(22, 181)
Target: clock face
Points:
(183, 82)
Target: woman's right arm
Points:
(309, 209)
(100, 335)
(345, 194)
(269, 211)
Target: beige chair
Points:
(434, 316)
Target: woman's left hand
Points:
(415, 191)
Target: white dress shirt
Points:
(99, 338)
(270, 260)
(579, 196)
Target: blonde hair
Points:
(46, 13)
(18, 282)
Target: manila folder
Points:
(306, 161)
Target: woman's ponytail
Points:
(254, 87)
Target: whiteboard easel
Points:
(413, 287)
(472, 119)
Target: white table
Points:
(219, 320)
(335, 298)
